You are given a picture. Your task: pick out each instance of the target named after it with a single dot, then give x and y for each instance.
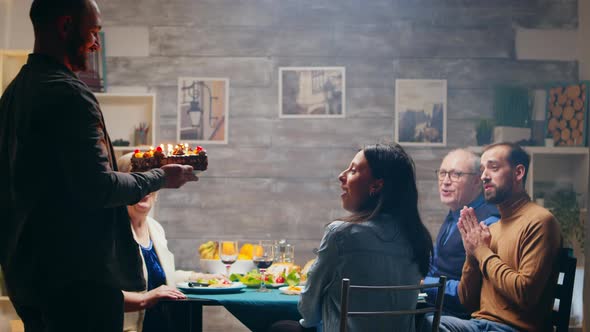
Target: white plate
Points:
(286, 290)
(275, 285)
(235, 287)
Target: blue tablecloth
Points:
(257, 311)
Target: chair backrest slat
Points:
(391, 313)
(395, 288)
(566, 264)
(345, 298)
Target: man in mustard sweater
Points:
(508, 274)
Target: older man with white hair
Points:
(459, 185)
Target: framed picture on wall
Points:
(95, 75)
(312, 92)
(421, 112)
(202, 110)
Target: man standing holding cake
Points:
(66, 247)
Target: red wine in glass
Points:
(263, 264)
(228, 261)
(263, 257)
(228, 253)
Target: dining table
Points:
(256, 310)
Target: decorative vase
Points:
(140, 137)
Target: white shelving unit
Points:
(562, 167)
(124, 112)
(10, 63)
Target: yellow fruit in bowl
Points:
(227, 248)
(257, 251)
(216, 256)
(242, 257)
(247, 250)
(208, 249)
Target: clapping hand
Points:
(474, 234)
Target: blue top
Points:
(449, 255)
(374, 252)
(155, 318)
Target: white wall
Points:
(127, 41)
(558, 44)
(20, 29)
(3, 27)
(546, 44)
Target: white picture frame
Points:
(312, 92)
(203, 110)
(421, 112)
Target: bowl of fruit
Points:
(210, 261)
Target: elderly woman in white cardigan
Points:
(143, 313)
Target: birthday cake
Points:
(179, 154)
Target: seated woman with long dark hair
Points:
(382, 242)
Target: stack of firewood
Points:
(567, 114)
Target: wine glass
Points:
(228, 253)
(263, 258)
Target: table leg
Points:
(196, 317)
(184, 316)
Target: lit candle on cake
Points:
(156, 158)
